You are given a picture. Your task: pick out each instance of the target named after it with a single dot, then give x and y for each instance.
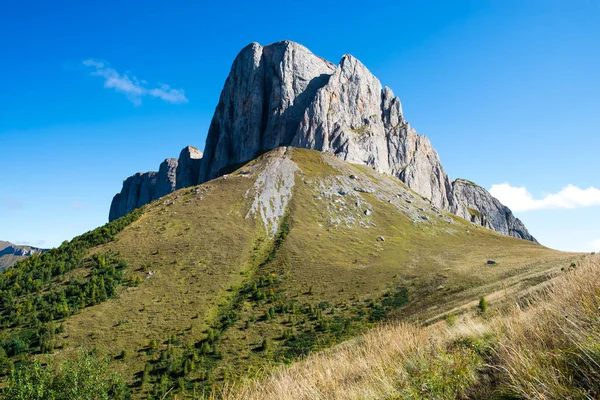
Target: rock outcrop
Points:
(353, 117)
(476, 204)
(283, 95)
(142, 188)
(188, 167)
(166, 180)
(261, 104)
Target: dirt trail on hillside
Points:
(513, 289)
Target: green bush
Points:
(444, 375)
(451, 319)
(483, 305)
(87, 377)
(265, 345)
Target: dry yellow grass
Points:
(374, 366)
(549, 350)
(552, 349)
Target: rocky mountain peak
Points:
(284, 95)
(262, 102)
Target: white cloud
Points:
(167, 94)
(133, 87)
(519, 198)
(596, 245)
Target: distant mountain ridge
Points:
(11, 253)
(283, 95)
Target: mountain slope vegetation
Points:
(544, 348)
(291, 253)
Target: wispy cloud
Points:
(596, 245)
(519, 198)
(133, 87)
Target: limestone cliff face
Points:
(166, 180)
(476, 204)
(353, 117)
(188, 167)
(137, 190)
(142, 188)
(283, 95)
(264, 97)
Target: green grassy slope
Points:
(222, 294)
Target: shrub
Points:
(483, 305)
(205, 348)
(265, 345)
(86, 377)
(443, 375)
(15, 346)
(451, 319)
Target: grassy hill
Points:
(294, 252)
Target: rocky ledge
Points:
(142, 188)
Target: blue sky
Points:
(507, 91)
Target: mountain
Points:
(283, 95)
(281, 251)
(11, 253)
